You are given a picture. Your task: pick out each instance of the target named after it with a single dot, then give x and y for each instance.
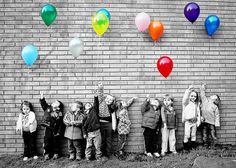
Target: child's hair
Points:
(79, 104)
(218, 97)
(118, 104)
(61, 106)
(197, 98)
(28, 104)
(168, 96)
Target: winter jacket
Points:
(74, 131)
(151, 117)
(30, 122)
(210, 111)
(169, 117)
(91, 121)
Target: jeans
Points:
(106, 132)
(29, 144)
(94, 138)
(150, 137)
(168, 135)
(190, 130)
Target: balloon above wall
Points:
(29, 54)
(48, 14)
(142, 21)
(212, 23)
(192, 11)
(106, 12)
(165, 66)
(76, 46)
(100, 23)
(156, 30)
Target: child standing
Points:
(53, 120)
(107, 118)
(169, 126)
(91, 128)
(123, 124)
(210, 116)
(27, 125)
(151, 112)
(190, 117)
(73, 120)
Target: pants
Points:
(106, 132)
(208, 129)
(168, 135)
(51, 142)
(29, 144)
(94, 138)
(150, 138)
(75, 146)
(190, 129)
(122, 138)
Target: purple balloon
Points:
(192, 11)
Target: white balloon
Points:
(76, 46)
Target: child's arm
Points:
(32, 118)
(101, 96)
(96, 103)
(130, 102)
(198, 116)
(202, 92)
(217, 117)
(113, 119)
(67, 119)
(145, 106)
(43, 102)
(85, 127)
(19, 124)
(60, 124)
(163, 116)
(186, 96)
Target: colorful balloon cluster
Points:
(100, 21)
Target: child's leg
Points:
(48, 141)
(103, 135)
(187, 129)
(97, 143)
(26, 139)
(172, 140)
(194, 132)
(56, 144)
(154, 141)
(204, 133)
(71, 148)
(164, 143)
(122, 140)
(213, 131)
(32, 144)
(78, 147)
(106, 130)
(148, 139)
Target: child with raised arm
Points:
(53, 122)
(123, 124)
(210, 116)
(91, 126)
(26, 126)
(151, 113)
(190, 117)
(73, 120)
(107, 118)
(169, 125)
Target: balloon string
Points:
(28, 85)
(99, 45)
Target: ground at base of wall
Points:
(181, 160)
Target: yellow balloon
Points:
(100, 23)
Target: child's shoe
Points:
(78, 158)
(55, 156)
(163, 154)
(175, 153)
(35, 157)
(25, 158)
(46, 157)
(156, 154)
(72, 157)
(98, 159)
(149, 154)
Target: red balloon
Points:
(165, 66)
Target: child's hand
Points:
(85, 136)
(100, 84)
(41, 95)
(134, 98)
(165, 126)
(72, 123)
(17, 130)
(191, 87)
(202, 119)
(203, 85)
(148, 98)
(57, 134)
(95, 92)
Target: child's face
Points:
(155, 103)
(25, 109)
(193, 96)
(109, 99)
(73, 107)
(215, 99)
(167, 101)
(87, 106)
(55, 106)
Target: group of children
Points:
(97, 121)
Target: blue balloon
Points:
(106, 12)
(29, 54)
(212, 23)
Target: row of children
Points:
(96, 122)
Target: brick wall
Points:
(125, 60)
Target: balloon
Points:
(29, 54)
(106, 12)
(142, 21)
(76, 46)
(48, 14)
(212, 23)
(156, 30)
(100, 23)
(192, 11)
(165, 66)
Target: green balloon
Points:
(48, 14)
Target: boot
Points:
(186, 146)
(193, 145)
(72, 156)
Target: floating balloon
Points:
(142, 21)
(106, 12)
(165, 66)
(48, 14)
(212, 23)
(156, 30)
(192, 11)
(76, 46)
(100, 23)
(29, 54)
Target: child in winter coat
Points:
(27, 125)
(73, 120)
(53, 122)
(123, 124)
(210, 116)
(151, 113)
(107, 118)
(190, 117)
(91, 126)
(169, 125)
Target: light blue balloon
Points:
(106, 12)
(29, 54)
(212, 23)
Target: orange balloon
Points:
(156, 30)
